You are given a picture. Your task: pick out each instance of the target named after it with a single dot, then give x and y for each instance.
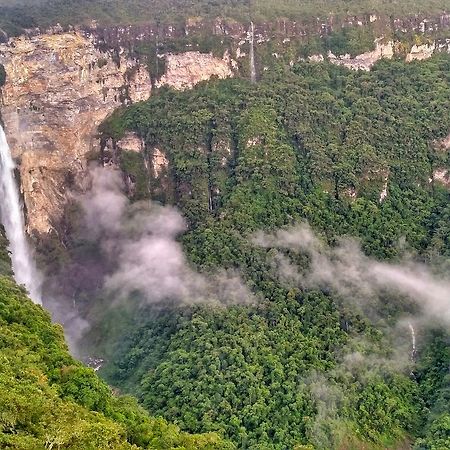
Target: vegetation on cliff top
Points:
(22, 14)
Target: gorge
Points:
(89, 74)
(239, 218)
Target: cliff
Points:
(128, 36)
(187, 69)
(59, 88)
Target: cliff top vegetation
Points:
(22, 14)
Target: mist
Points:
(140, 242)
(363, 281)
(402, 299)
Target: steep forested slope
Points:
(317, 142)
(301, 363)
(49, 400)
(351, 153)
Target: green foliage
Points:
(5, 260)
(351, 40)
(47, 399)
(438, 435)
(315, 143)
(31, 13)
(133, 166)
(298, 145)
(222, 390)
(398, 413)
(434, 381)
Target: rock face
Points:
(160, 163)
(385, 24)
(445, 143)
(187, 69)
(60, 86)
(421, 52)
(59, 89)
(365, 61)
(131, 142)
(442, 176)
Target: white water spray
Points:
(252, 53)
(12, 217)
(413, 341)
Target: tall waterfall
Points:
(252, 53)
(12, 217)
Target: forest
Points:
(49, 400)
(274, 263)
(18, 15)
(315, 144)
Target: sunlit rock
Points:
(185, 70)
(59, 88)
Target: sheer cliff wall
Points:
(59, 88)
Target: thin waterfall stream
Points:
(11, 211)
(413, 341)
(252, 53)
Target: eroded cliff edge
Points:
(59, 88)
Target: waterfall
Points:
(252, 53)
(12, 217)
(413, 341)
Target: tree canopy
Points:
(315, 143)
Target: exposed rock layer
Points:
(366, 60)
(187, 69)
(59, 89)
(119, 36)
(61, 86)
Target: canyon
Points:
(242, 223)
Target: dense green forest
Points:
(310, 353)
(313, 143)
(49, 400)
(19, 14)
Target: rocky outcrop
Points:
(421, 52)
(127, 36)
(384, 192)
(59, 89)
(61, 86)
(366, 60)
(185, 70)
(442, 176)
(131, 142)
(159, 162)
(162, 184)
(445, 143)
